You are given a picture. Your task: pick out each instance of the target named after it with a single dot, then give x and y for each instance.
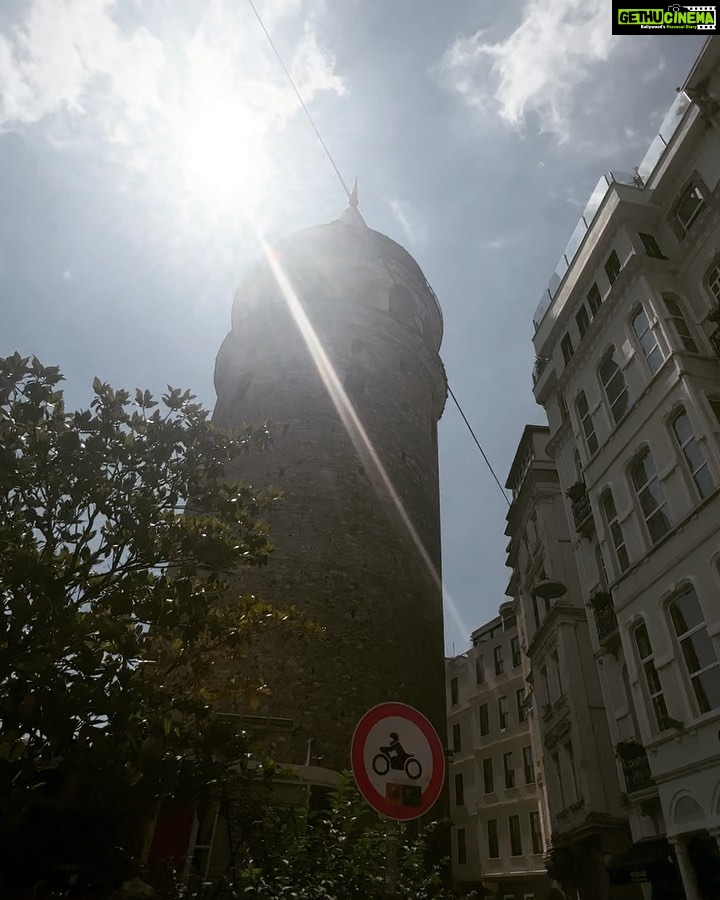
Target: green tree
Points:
(122, 626)
(340, 853)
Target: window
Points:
(614, 530)
(454, 696)
(479, 670)
(459, 790)
(687, 209)
(555, 659)
(567, 348)
(484, 721)
(499, 664)
(698, 649)
(650, 496)
(503, 713)
(570, 756)
(613, 381)
(519, 703)
(516, 652)
(488, 775)
(586, 423)
(545, 683)
(515, 836)
(612, 267)
(677, 317)
(651, 677)
(558, 775)
(646, 339)
(509, 770)
(594, 299)
(651, 245)
(682, 426)
(536, 832)
(492, 838)
(714, 403)
(461, 847)
(582, 319)
(457, 738)
(712, 280)
(528, 765)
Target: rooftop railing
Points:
(638, 180)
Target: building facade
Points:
(628, 342)
(581, 800)
(497, 840)
(335, 338)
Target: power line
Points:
(300, 99)
(477, 442)
(348, 193)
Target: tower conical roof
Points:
(351, 216)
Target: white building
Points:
(627, 342)
(581, 802)
(497, 835)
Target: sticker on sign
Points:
(398, 761)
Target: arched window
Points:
(650, 496)
(698, 650)
(651, 677)
(673, 304)
(613, 382)
(712, 279)
(646, 339)
(696, 462)
(586, 422)
(614, 529)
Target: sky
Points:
(146, 144)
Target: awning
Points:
(646, 860)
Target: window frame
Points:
(484, 720)
(681, 226)
(613, 267)
(684, 445)
(711, 279)
(582, 320)
(499, 660)
(493, 838)
(566, 347)
(488, 770)
(647, 489)
(686, 636)
(519, 704)
(457, 737)
(594, 299)
(528, 764)
(614, 534)
(459, 783)
(515, 652)
(454, 691)
(651, 677)
(509, 771)
(461, 847)
(480, 669)
(515, 832)
(614, 403)
(679, 322)
(640, 335)
(503, 713)
(586, 423)
(534, 817)
(650, 245)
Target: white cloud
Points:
(411, 224)
(539, 68)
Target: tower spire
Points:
(351, 216)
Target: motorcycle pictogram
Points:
(393, 756)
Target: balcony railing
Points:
(581, 509)
(605, 618)
(635, 766)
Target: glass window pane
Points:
(699, 651)
(658, 525)
(582, 404)
(707, 689)
(686, 613)
(683, 428)
(704, 481)
(643, 641)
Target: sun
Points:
(222, 153)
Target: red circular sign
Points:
(398, 761)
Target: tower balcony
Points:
(635, 765)
(581, 509)
(605, 618)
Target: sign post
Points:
(398, 762)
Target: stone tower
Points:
(362, 564)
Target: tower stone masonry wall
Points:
(344, 556)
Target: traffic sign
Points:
(398, 761)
